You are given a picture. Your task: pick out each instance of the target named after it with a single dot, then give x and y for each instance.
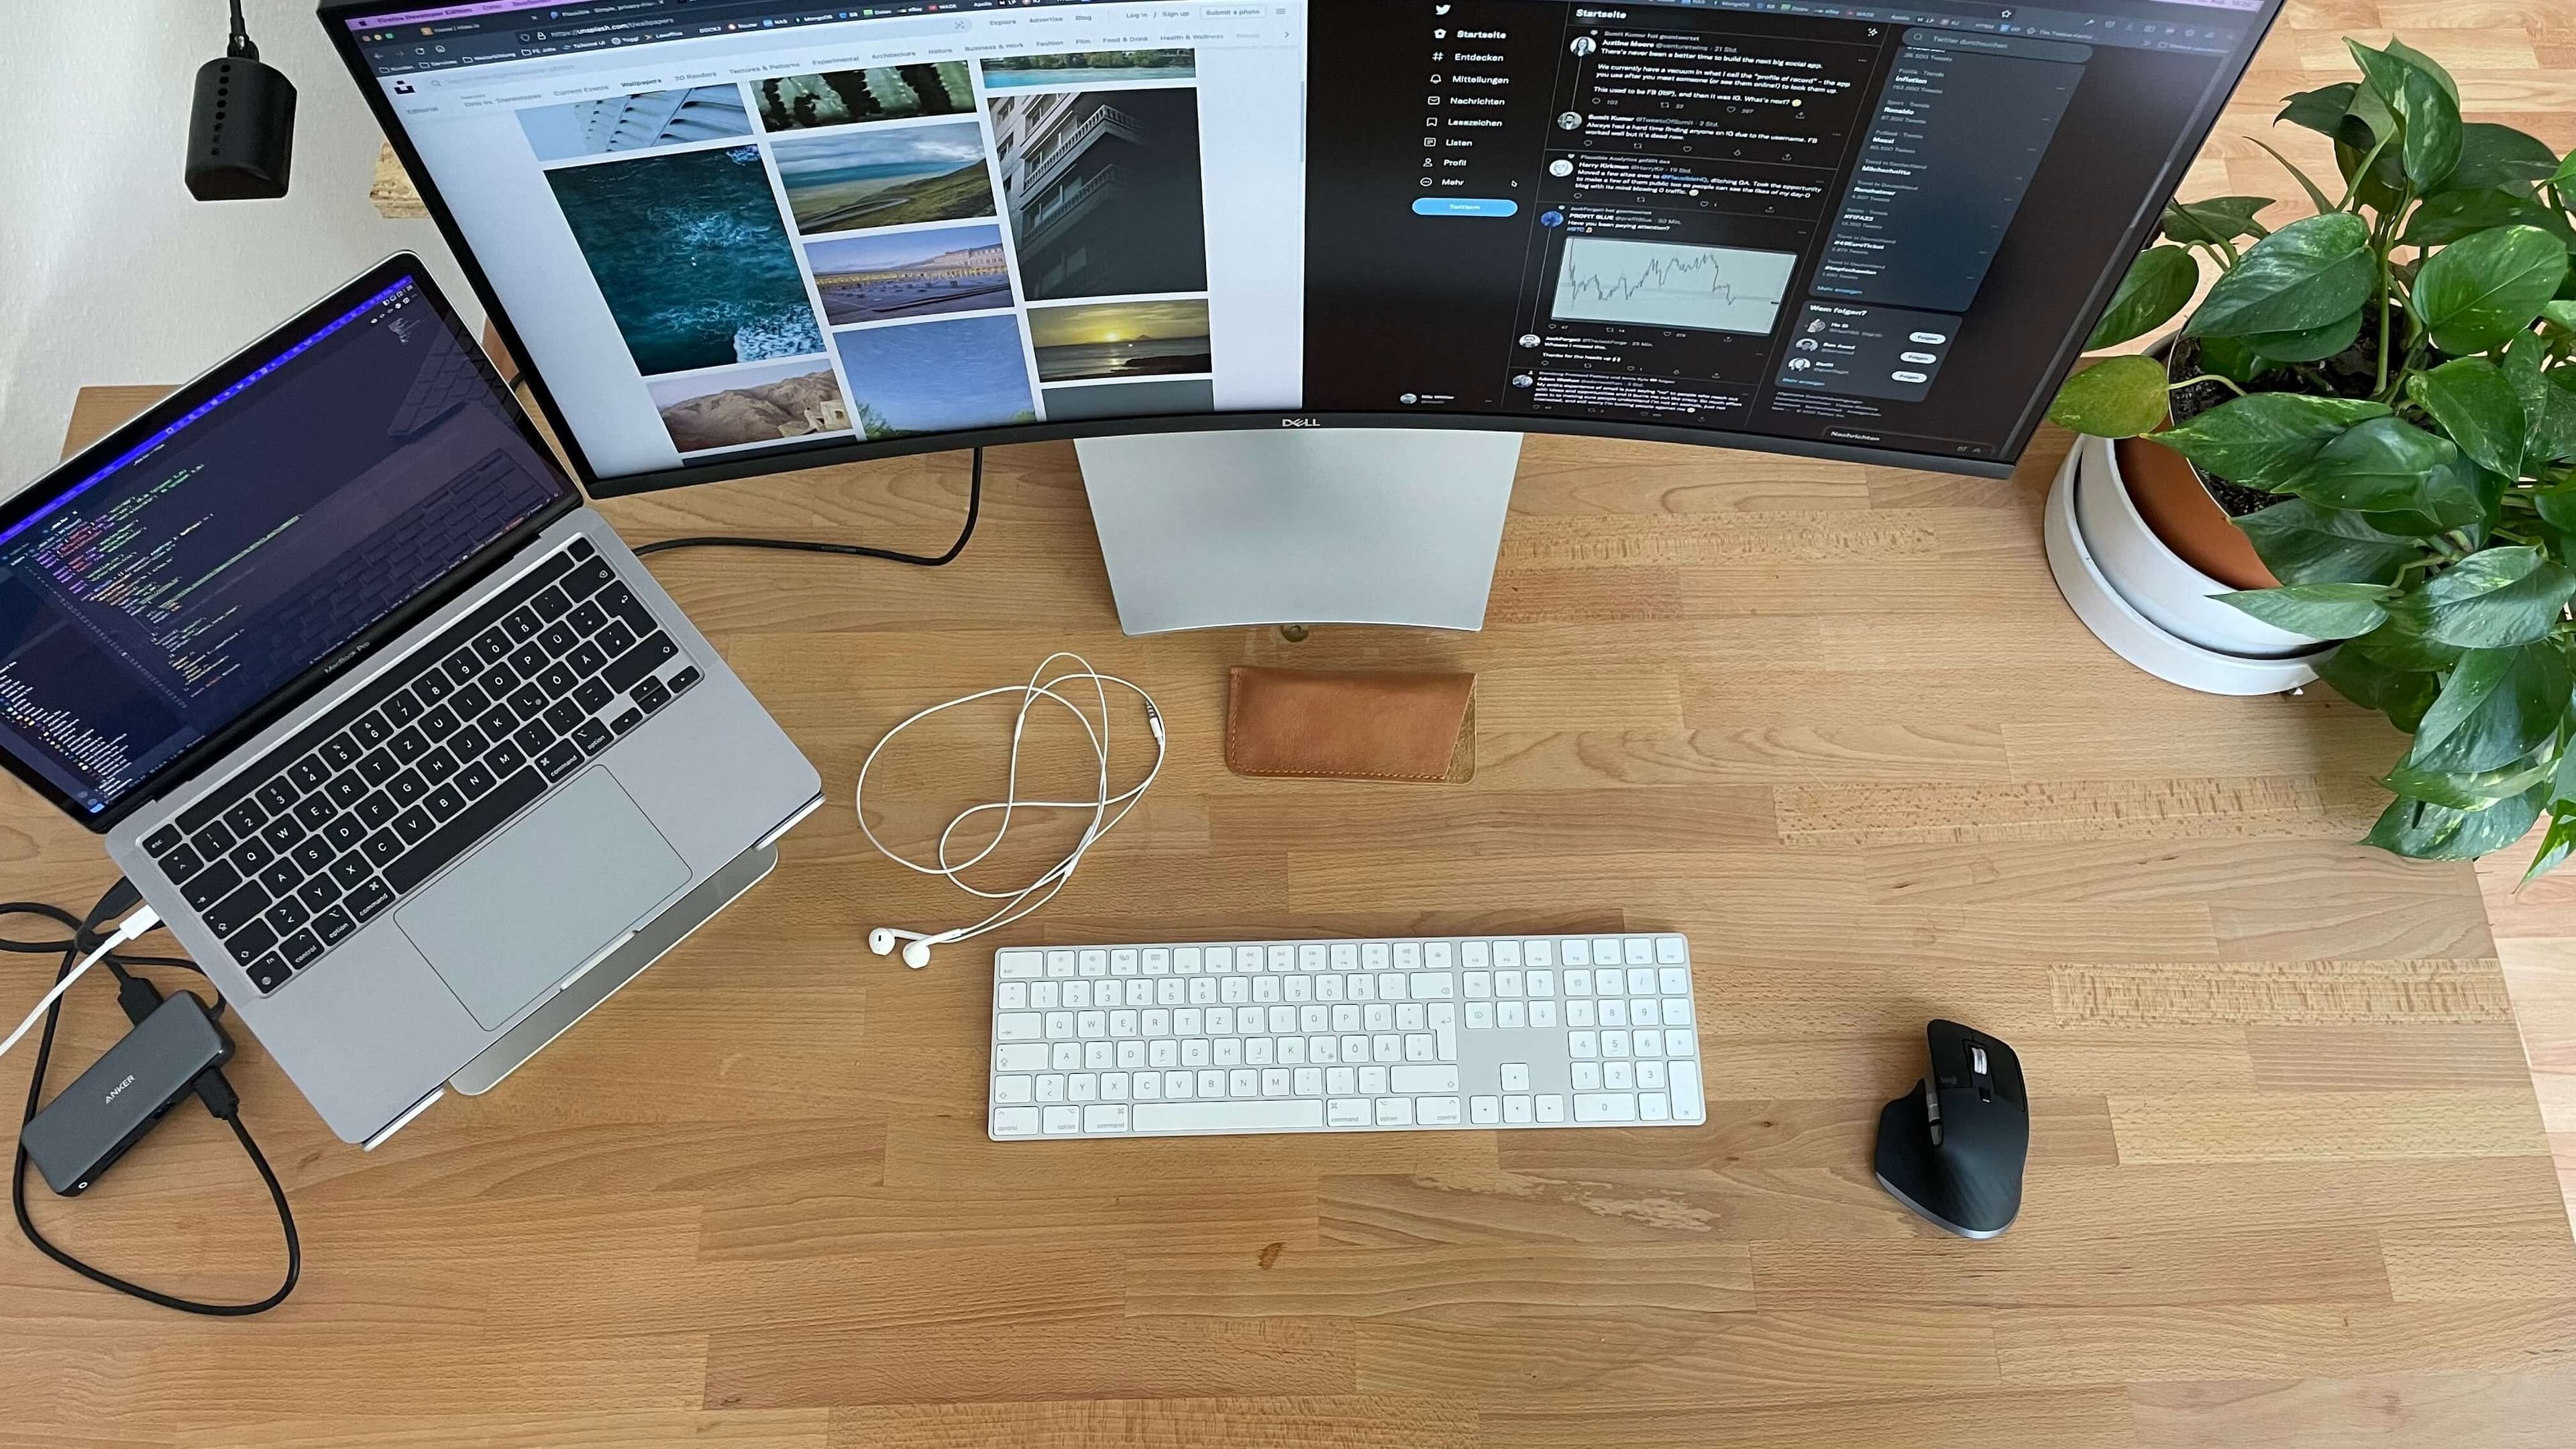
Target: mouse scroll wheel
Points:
(1977, 1060)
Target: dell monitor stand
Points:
(1323, 526)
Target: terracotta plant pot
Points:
(2168, 493)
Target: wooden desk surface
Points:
(2288, 1184)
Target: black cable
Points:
(241, 47)
(139, 997)
(974, 506)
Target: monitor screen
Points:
(169, 583)
(736, 235)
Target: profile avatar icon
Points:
(1584, 45)
(1806, 344)
(1529, 339)
(1551, 218)
(1570, 121)
(1521, 379)
(1561, 166)
(1799, 364)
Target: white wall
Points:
(109, 271)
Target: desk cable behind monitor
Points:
(974, 507)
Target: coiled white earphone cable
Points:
(1106, 808)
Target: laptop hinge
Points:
(808, 808)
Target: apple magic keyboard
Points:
(1396, 1035)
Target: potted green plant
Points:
(2386, 387)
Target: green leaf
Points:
(2451, 215)
(2324, 203)
(2422, 831)
(2476, 404)
(2432, 144)
(2482, 289)
(2471, 791)
(2321, 110)
(2264, 438)
(2320, 611)
(2119, 397)
(2496, 708)
(2304, 544)
(2400, 644)
(2229, 357)
(2315, 271)
(2492, 155)
(2493, 599)
(2159, 284)
(2313, 344)
(2556, 844)
(2401, 694)
(2564, 178)
(2559, 314)
(2219, 219)
(2427, 64)
(2390, 466)
(2549, 412)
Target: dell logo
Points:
(117, 1090)
(1301, 422)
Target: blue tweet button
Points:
(1466, 206)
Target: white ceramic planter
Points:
(2145, 603)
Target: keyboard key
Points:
(559, 760)
(309, 772)
(564, 716)
(464, 664)
(1605, 1106)
(250, 940)
(401, 708)
(1683, 1077)
(180, 862)
(475, 779)
(269, 972)
(341, 751)
(684, 679)
(213, 841)
(275, 795)
(317, 892)
(366, 900)
(521, 624)
(245, 816)
(592, 737)
(383, 848)
(300, 949)
(470, 701)
(352, 869)
(620, 601)
(503, 758)
(439, 723)
(1438, 1111)
(408, 744)
(467, 743)
(469, 827)
(529, 658)
(1671, 950)
(311, 853)
(377, 809)
(370, 729)
(587, 579)
(649, 695)
(432, 686)
(616, 639)
(1228, 1116)
(252, 856)
(558, 638)
(407, 787)
(346, 790)
(533, 736)
(444, 802)
(586, 617)
(286, 914)
(592, 695)
(162, 841)
(646, 657)
(282, 832)
(210, 885)
(414, 825)
(551, 603)
(314, 811)
(378, 766)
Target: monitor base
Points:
(1333, 526)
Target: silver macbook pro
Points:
(394, 733)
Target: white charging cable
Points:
(143, 919)
(1106, 808)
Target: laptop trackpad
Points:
(542, 896)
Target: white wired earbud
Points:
(1106, 808)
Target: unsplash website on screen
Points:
(729, 227)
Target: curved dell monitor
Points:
(728, 237)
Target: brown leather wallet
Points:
(1351, 724)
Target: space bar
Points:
(459, 835)
(1285, 1116)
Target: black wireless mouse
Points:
(1953, 1148)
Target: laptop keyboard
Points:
(289, 857)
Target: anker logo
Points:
(119, 1088)
(1301, 422)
